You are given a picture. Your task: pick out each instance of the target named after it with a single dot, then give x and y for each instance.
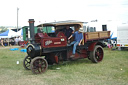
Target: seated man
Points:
(67, 31)
(78, 37)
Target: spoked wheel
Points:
(39, 65)
(97, 54)
(26, 62)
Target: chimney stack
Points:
(32, 31)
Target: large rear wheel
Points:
(97, 54)
(39, 65)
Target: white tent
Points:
(10, 33)
(19, 33)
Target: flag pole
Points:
(17, 18)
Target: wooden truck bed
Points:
(89, 36)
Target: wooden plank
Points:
(92, 35)
(103, 34)
(96, 35)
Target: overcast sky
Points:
(59, 10)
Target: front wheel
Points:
(26, 62)
(39, 65)
(97, 54)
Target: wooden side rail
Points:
(96, 35)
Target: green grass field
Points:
(113, 70)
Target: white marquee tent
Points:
(10, 33)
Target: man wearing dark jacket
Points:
(67, 31)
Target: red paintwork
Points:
(91, 47)
(39, 36)
(82, 54)
(46, 41)
(56, 59)
(60, 34)
(61, 41)
(53, 42)
(99, 53)
(70, 53)
(23, 43)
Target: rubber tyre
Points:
(97, 54)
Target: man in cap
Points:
(78, 37)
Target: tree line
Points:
(3, 29)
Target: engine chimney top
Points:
(31, 21)
(32, 32)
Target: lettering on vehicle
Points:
(57, 42)
(48, 42)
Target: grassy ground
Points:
(113, 70)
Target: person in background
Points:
(39, 30)
(16, 40)
(67, 31)
(78, 37)
(21, 38)
(2, 42)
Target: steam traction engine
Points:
(45, 48)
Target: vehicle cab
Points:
(52, 33)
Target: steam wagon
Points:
(51, 47)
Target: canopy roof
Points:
(9, 33)
(61, 23)
(5, 33)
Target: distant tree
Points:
(3, 29)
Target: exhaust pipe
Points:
(32, 31)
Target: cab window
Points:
(49, 29)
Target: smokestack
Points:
(32, 32)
